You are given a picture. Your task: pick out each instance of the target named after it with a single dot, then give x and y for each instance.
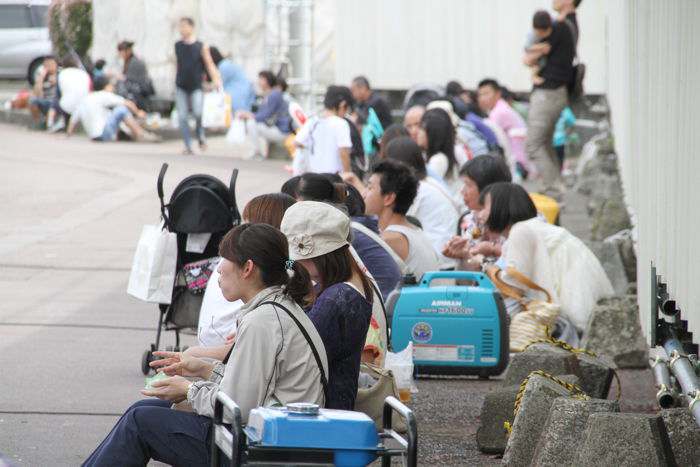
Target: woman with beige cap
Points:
(317, 234)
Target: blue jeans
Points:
(118, 114)
(186, 102)
(150, 429)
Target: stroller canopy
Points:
(200, 204)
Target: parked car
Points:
(24, 37)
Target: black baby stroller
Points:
(200, 212)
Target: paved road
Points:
(70, 338)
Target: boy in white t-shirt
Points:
(324, 140)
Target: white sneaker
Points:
(57, 126)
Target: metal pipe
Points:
(683, 371)
(665, 397)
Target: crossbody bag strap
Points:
(324, 380)
(523, 279)
(381, 302)
(397, 259)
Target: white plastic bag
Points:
(237, 132)
(153, 269)
(401, 365)
(216, 110)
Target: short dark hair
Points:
(334, 97)
(320, 187)
(541, 20)
(510, 204)
(490, 82)
(291, 186)
(485, 170)
(99, 83)
(399, 179)
(361, 81)
(454, 88)
(188, 20)
(577, 3)
(100, 64)
(403, 149)
(395, 130)
(125, 45)
(268, 76)
(441, 136)
(345, 91)
(354, 201)
(215, 53)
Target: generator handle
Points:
(391, 405)
(478, 277)
(230, 442)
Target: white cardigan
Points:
(559, 262)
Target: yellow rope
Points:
(575, 390)
(563, 345)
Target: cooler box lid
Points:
(307, 426)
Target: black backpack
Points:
(575, 84)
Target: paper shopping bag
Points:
(216, 110)
(153, 269)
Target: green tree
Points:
(70, 27)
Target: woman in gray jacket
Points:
(271, 364)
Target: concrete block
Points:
(596, 375)
(610, 218)
(491, 437)
(625, 439)
(614, 331)
(609, 256)
(565, 425)
(545, 357)
(540, 393)
(684, 434)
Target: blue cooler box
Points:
(346, 438)
(455, 329)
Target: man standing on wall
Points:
(547, 100)
(192, 57)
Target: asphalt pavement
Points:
(71, 340)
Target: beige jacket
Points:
(271, 363)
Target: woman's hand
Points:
(231, 339)
(172, 389)
(487, 249)
(457, 248)
(177, 363)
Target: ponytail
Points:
(268, 249)
(299, 285)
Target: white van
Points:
(24, 37)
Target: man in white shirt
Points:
(102, 111)
(325, 139)
(73, 84)
(391, 191)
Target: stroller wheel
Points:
(145, 360)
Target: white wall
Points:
(397, 43)
(236, 27)
(653, 89)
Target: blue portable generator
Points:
(455, 329)
(304, 434)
